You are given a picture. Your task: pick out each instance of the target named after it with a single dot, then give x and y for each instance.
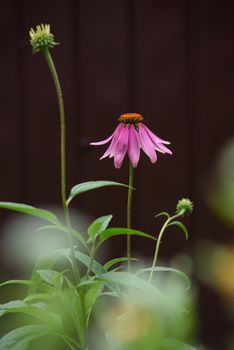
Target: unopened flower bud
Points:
(41, 38)
(184, 207)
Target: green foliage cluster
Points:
(59, 305)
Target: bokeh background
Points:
(171, 61)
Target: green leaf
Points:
(13, 306)
(38, 310)
(37, 296)
(112, 262)
(43, 262)
(174, 344)
(110, 294)
(52, 277)
(167, 269)
(99, 225)
(91, 185)
(91, 296)
(23, 282)
(19, 306)
(20, 338)
(162, 213)
(97, 268)
(116, 231)
(180, 225)
(68, 230)
(71, 343)
(28, 209)
(133, 281)
(71, 300)
(46, 262)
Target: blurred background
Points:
(171, 61)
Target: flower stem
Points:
(54, 74)
(129, 213)
(92, 255)
(159, 242)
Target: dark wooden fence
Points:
(172, 61)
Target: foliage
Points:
(67, 285)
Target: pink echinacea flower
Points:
(130, 136)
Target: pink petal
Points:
(134, 146)
(113, 142)
(154, 137)
(121, 147)
(147, 144)
(163, 149)
(106, 140)
(112, 151)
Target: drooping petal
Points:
(134, 146)
(111, 148)
(147, 144)
(112, 153)
(121, 147)
(154, 137)
(162, 148)
(104, 141)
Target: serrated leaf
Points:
(167, 269)
(91, 185)
(99, 225)
(116, 231)
(28, 209)
(20, 338)
(162, 213)
(181, 226)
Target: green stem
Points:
(92, 255)
(54, 74)
(159, 242)
(129, 213)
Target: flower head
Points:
(130, 136)
(184, 206)
(41, 37)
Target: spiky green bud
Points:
(41, 38)
(184, 207)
